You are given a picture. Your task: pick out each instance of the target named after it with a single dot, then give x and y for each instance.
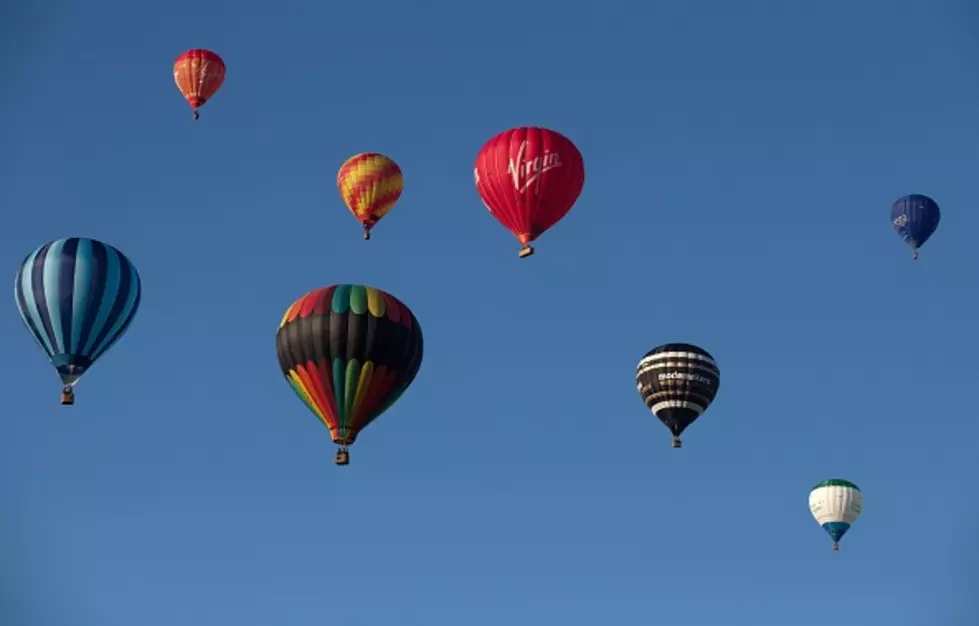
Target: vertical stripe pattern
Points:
(77, 297)
(677, 381)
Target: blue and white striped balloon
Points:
(77, 297)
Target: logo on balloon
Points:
(900, 221)
(694, 378)
(530, 172)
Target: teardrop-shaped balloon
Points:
(349, 352)
(77, 297)
(370, 185)
(836, 504)
(199, 74)
(915, 218)
(529, 178)
(678, 381)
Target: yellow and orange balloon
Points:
(370, 185)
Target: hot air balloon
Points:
(678, 381)
(836, 504)
(198, 74)
(370, 185)
(77, 297)
(349, 352)
(915, 218)
(529, 178)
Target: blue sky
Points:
(741, 161)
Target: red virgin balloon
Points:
(529, 178)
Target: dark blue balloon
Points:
(915, 218)
(77, 297)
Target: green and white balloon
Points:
(836, 504)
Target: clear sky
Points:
(741, 161)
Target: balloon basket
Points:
(343, 457)
(525, 252)
(677, 443)
(367, 235)
(67, 398)
(197, 115)
(836, 547)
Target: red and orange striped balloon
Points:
(198, 74)
(370, 185)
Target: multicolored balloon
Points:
(77, 297)
(349, 352)
(529, 178)
(678, 381)
(370, 185)
(915, 218)
(836, 504)
(199, 74)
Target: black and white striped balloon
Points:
(678, 381)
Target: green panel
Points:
(836, 482)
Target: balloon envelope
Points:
(678, 381)
(836, 504)
(199, 74)
(915, 218)
(370, 185)
(77, 297)
(529, 178)
(349, 352)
